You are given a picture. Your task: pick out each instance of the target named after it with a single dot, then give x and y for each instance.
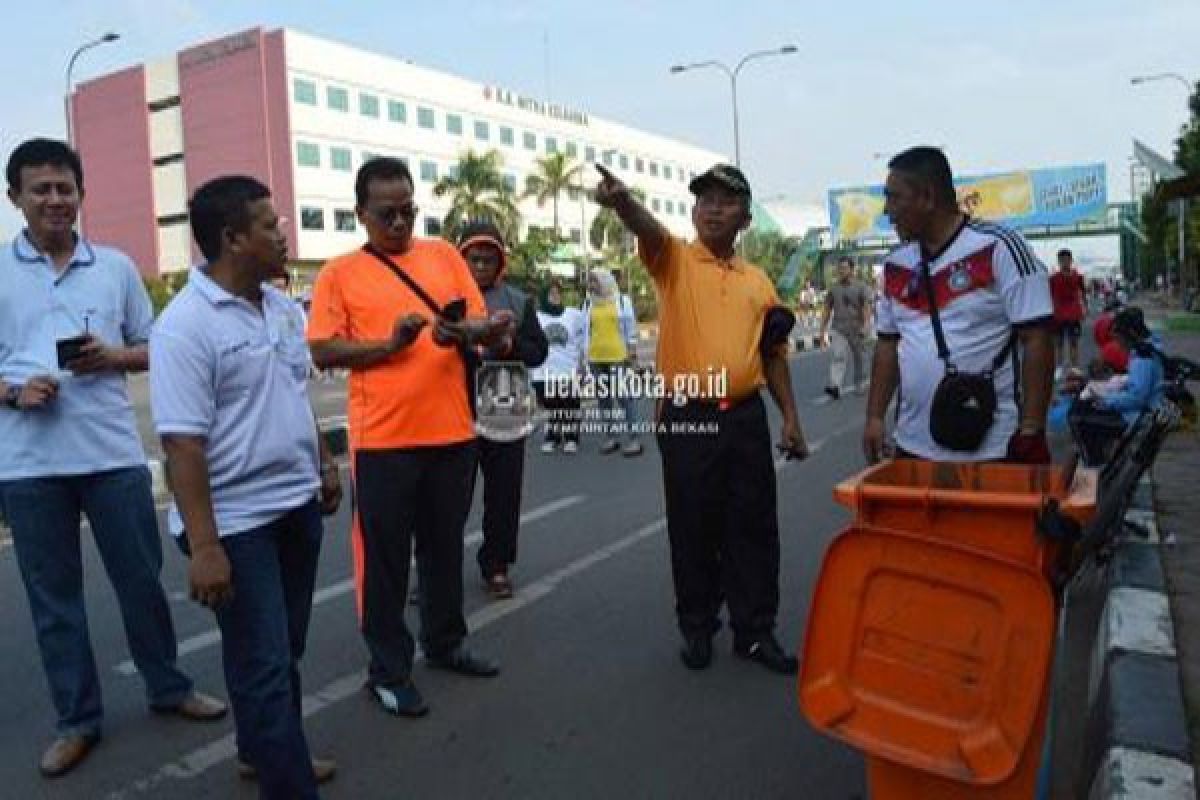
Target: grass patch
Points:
(1184, 322)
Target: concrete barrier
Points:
(1137, 743)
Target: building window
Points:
(653, 169)
(576, 236)
(608, 158)
(454, 124)
(589, 154)
(506, 136)
(551, 144)
(667, 171)
(368, 105)
(670, 206)
(397, 111)
(624, 161)
(171, 219)
(308, 154)
(304, 92)
(639, 165)
(429, 171)
(425, 118)
(481, 130)
(312, 219)
(510, 182)
(655, 205)
(452, 172)
(344, 221)
(162, 105)
(337, 98)
(571, 150)
(433, 226)
(339, 159)
(679, 171)
(572, 193)
(529, 140)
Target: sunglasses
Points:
(388, 216)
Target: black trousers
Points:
(565, 415)
(502, 465)
(422, 493)
(719, 481)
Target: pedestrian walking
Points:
(556, 380)
(1069, 295)
(611, 334)
(849, 305)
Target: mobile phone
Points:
(70, 349)
(455, 310)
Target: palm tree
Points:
(553, 175)
(478, 192)
(608, 232)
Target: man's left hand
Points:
(331, 491)
(95, 356)
(792, 443)
(1028, 448)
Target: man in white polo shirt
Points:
(74, 318)
(250, 473)
(991, 297)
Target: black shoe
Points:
(697, 652)
(400, 700)
(834, 392)
(766, 651)
(464, 662)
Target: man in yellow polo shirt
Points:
(718, 470)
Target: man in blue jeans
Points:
(74, 319)
(248, 468)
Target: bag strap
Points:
(404, 277)
(940, 336)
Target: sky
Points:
(1001, 85)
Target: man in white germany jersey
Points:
(990, 292)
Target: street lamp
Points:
(105, 39)
(786, 50)
(1138, 80)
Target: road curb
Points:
(1137, 743)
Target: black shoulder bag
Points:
(453, 311)
(964, 404)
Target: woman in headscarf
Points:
(554, 379)
(611, 335)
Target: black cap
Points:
(724, 175)
(1131, 322)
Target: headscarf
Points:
(607, 291)
(544, 304)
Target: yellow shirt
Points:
(710, 317)
(605, 345)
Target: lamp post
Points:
(105, 39)
(787, 49)
(1181, 203)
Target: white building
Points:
(303, 114)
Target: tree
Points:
(608, 233)
(769, 250)
(477, 191)
(525, 256)
(553, 175)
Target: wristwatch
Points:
(11, 395)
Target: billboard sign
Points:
(1028, 198)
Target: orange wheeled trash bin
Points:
(931, 634)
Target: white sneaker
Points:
(547, 447)
(570, 448)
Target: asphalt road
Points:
(592, 702)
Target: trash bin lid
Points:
(927, 654)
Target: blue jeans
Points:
(44, 516)
(263, 632)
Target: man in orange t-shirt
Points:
(411, 428)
